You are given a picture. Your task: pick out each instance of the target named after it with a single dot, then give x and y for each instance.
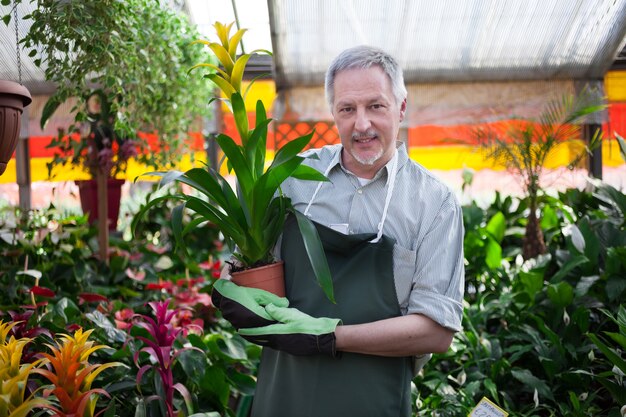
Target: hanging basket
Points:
(13, 98)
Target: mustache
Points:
(364, 135)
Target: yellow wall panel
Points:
(615, 85)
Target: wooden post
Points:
(103, 216)
(22, 163)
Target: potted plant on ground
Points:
(252, 218)
(525, 147)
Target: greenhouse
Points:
(451, 176)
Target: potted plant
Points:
(96, 147)
(252, 218)
(130, 56)
(526, 146)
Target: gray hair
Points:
(364, 57)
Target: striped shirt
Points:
(424, 218)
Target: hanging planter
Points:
(13, 98)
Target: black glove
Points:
(244, 307)
(296, 333)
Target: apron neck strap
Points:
(393, 170)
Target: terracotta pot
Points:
(269, 278)
(89, 199)
(13, 98)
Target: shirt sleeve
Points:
(439, 280)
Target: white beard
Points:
(372, 159)
(369, 161)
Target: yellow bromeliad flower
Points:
(14, 376)
(72, 375)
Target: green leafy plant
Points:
(525, 147)
(135, 53)
(252, 218)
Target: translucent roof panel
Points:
(451, 40)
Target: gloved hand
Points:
(244, 307)
(296, 333)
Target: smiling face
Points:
(368, 119)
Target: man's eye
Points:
(376, 106)
(346, 109)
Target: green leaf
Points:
(493, 253)
(305, 172)
(568, 266)
(113, 333)
(177, 224)
(609, 353)
(316, 254)
(67, 310)
(592, 243)
(618, 338)
(496, 226)
(549, 219)
(241, 117)
(49, 108)
(291, 149)
(193, 363)
(584, 284)
(622, 146)
(244, 383)
(491, 388)
(532, 382)
(238, 161)
(226, 349)
(532, 281)
(561, 294)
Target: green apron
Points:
(353, 384)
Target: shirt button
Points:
(360, 191)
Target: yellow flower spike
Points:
(223, 56)
(5, 328)
(213, 67)
(238, 69)
(225, 86)
(222, 32)
(14, 376)
(234, 42)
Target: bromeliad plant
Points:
(252, 218)
(14, 376)
(72, 376)
(159, 337)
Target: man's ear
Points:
(402, 109)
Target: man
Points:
(393, 236)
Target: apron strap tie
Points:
(392, 182)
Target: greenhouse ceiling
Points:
(434, 40)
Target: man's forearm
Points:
(413, 334)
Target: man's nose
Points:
(362, 122)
